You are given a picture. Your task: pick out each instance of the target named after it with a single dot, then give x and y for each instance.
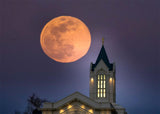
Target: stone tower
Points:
(102, 78)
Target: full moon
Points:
(65, 39)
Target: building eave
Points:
(80, 98)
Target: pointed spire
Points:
(102, 40)
(103, 56)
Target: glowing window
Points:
(101, 83)
(90, 110)
(104, 93)
(101, 86)
(98, 92)
(82, 106)
(69, 106)
(101, 92)
(61, 111)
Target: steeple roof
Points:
(102, 55)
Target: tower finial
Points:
(102, 40)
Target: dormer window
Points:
(101, 86)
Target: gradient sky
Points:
(131, 29)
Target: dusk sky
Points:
(131, 31)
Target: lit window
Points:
(101, 84)
(98, 92)
(69, 106)
(61, 111)
(90, 110)
(82, 106)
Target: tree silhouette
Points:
(36, 101)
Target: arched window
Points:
(101, 86)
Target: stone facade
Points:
(80, 104)
(102, 93)
(110, 85)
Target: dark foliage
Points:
(36, 112)
(36, 101)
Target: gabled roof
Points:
(77, 97)
(103, 56)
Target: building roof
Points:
(77, 97)
(103, 56)
(82, 99)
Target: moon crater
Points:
(65, 39)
